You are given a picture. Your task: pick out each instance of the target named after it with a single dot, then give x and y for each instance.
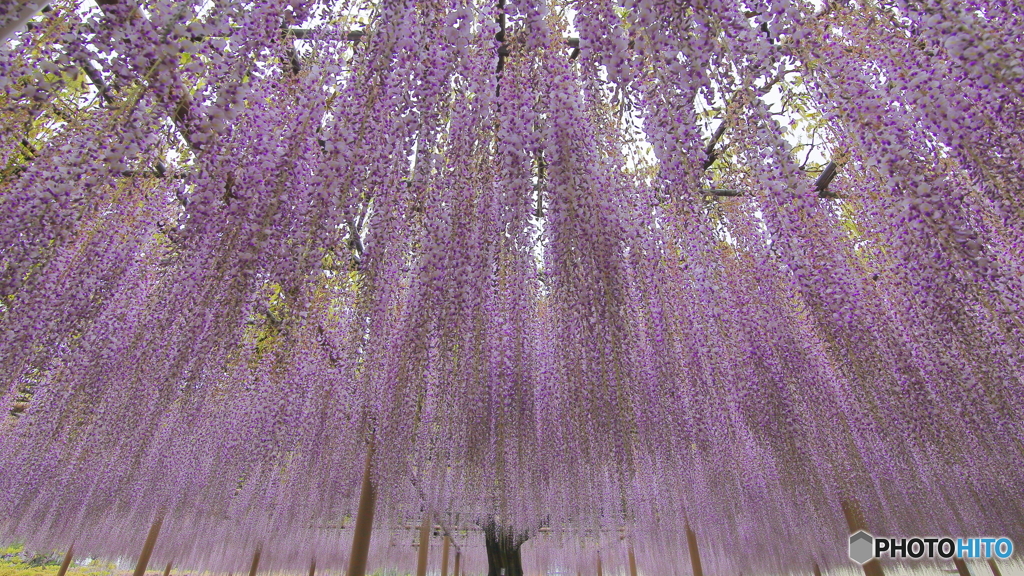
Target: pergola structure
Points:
(578, 286)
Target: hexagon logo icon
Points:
(861, 545)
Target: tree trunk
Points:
(71, 553)
(503, 544)
(147, 548)
(855, 521)
(364, 522)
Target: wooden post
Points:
(421, 563)
(855, 522)
(364, 523)
(961, 567)
(994, 567)
(255, 561)
(312, 567)
(817, 569)
(167, 570)
(691, 544)
(67, 561)
(458, 556)
(599, 571)
(444, 556)
(147, 548)
(632, 562)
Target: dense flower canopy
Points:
(599, 269)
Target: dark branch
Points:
(357, 35)
(709, 151)
(723, 193)
(574, 43)
(304, 33)
(96, 77)
(821, 184)
(502, 46)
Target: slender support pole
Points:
(994, 567)
(817, 569)
(632, 562)
(67, 561)
(364, 523)
(855, 522)
(147, 548)
(421, 563)
(691, 544)
(255, 561)
(167, 570)
(444, 556)
(599, 571)
(312, 567)
(458, 557)
(961, 567)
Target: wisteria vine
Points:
(556, 263)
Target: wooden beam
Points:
(305, 33)
(723, 192)
(19, 13)
(632, 562)
(357, 35)
(167, 569)
(994, 567)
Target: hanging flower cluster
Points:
(601, 270)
